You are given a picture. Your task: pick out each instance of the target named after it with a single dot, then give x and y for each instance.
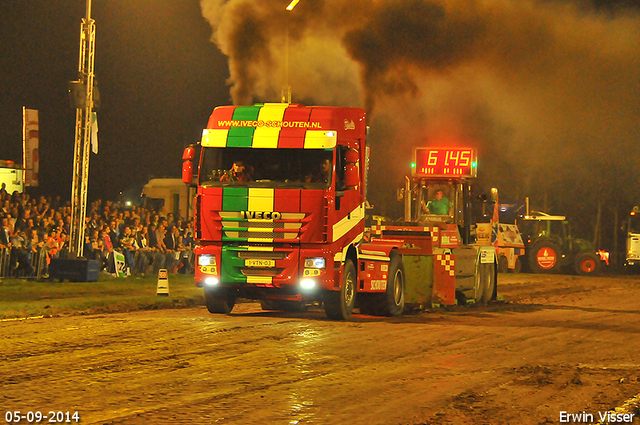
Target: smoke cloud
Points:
(549, 91)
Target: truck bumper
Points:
(266, 272)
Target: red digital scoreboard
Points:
(445, 162)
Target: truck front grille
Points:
(250, 271)
(262, 255)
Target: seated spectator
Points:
(128, 246)
(20, 261)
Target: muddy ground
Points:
(555, 344)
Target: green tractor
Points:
(550, 248)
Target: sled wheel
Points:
(518, 266)
(503, 264)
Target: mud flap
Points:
(444, 280)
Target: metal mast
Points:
(83, 136)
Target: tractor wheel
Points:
(587, 264)
(544, 257)
(503, 264)
(338, 305)
(220, 300)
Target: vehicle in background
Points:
(11, 175)
(632, 257)
(495, 226)
(170, 193)
(550, 247)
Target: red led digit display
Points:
(445, 162)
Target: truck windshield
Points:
(254, 167)
(438, 201)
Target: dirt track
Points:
(559, 343)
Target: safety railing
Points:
(22, 263)
(35, 264)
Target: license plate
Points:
(260, 263)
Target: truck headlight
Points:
(308, 283)
(211, 281)
(206, 260)
(315, 263)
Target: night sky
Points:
(159, 76)
(547, 90)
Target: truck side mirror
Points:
(187, 164)
(351, 174)
(187, 172)
(189, 153)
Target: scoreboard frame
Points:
(445, 162)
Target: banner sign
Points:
(120, 264)
(30, 142)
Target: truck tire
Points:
(391, 302)
(503, 264)
(394, 297)
(338, 305)
(544, 257)
(587, 264)
(220, 300)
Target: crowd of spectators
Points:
(33, 231)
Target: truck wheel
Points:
(503, 264)
(544, 257)
(587, 264)
(518, 267)
(338, 305)
(395, 287)
(220, 300)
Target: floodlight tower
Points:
(84, 112)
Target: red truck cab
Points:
(279, 209)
